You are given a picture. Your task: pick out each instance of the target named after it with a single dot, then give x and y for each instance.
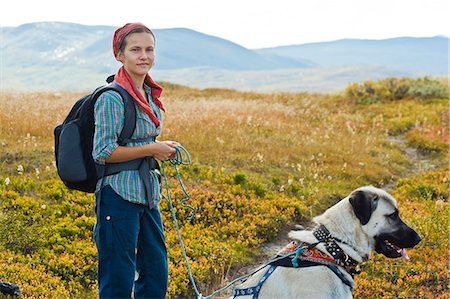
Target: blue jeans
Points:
(130, 239)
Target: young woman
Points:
(129, 234)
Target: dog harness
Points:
(306, 255)
(296, 254)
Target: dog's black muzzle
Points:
(392, 243)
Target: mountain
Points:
(421, 55)
(74, 57)
(184, 48)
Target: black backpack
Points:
(74, 140)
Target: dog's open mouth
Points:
(389, 248)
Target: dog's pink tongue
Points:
(404, 254)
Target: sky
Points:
(250, 23)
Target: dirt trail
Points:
(422, 161)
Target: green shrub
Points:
(427, 88)
(239, 178)
(393, 89)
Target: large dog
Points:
(322, 262)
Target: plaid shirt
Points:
(109, 121)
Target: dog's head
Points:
(379, 216)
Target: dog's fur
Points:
(364, 221)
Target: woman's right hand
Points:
(162, 150)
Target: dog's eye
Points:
(393, 216)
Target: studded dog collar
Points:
(323, 235)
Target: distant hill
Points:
(184, 48)
(73, 57)
(420, 55)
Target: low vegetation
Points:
(393, 89)
(261, 163)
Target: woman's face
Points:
(138, 55)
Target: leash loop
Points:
(182, 157)
(179, 150)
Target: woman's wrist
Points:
(150, 149)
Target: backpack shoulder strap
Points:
(129, 111)
(129, 114)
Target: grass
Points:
(261, 162)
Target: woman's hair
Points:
(136, 30)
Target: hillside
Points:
(74, 57)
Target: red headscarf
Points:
(124, 79)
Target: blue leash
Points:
(179, 150)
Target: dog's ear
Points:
(363, 204)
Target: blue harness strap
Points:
(255, 290)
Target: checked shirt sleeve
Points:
(109, 119)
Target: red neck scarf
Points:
(124, 79)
